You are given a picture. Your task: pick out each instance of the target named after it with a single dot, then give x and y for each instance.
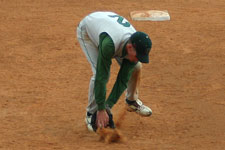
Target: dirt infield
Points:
(44, 76)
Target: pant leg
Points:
(91, 52)
(134, 81)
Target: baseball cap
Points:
(143, 44)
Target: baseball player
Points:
(102, 37)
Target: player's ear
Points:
(128, 49)
(129, 45)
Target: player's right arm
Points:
(105, 54)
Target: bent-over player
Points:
(102, 37)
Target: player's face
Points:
(131, 53)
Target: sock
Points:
(130, 102)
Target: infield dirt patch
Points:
(44, 76)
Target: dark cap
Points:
(143, 44)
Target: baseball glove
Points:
(111, 122)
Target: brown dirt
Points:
(44, 76)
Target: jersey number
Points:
(120, 20)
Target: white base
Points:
(152, 15)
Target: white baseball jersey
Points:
(117, 27)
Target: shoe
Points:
(88, 121)
(139, 107)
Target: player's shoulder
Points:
(102, 13)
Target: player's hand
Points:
(102, 119)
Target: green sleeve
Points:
(105, 54)
(120, 85)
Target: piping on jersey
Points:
(86, 49)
